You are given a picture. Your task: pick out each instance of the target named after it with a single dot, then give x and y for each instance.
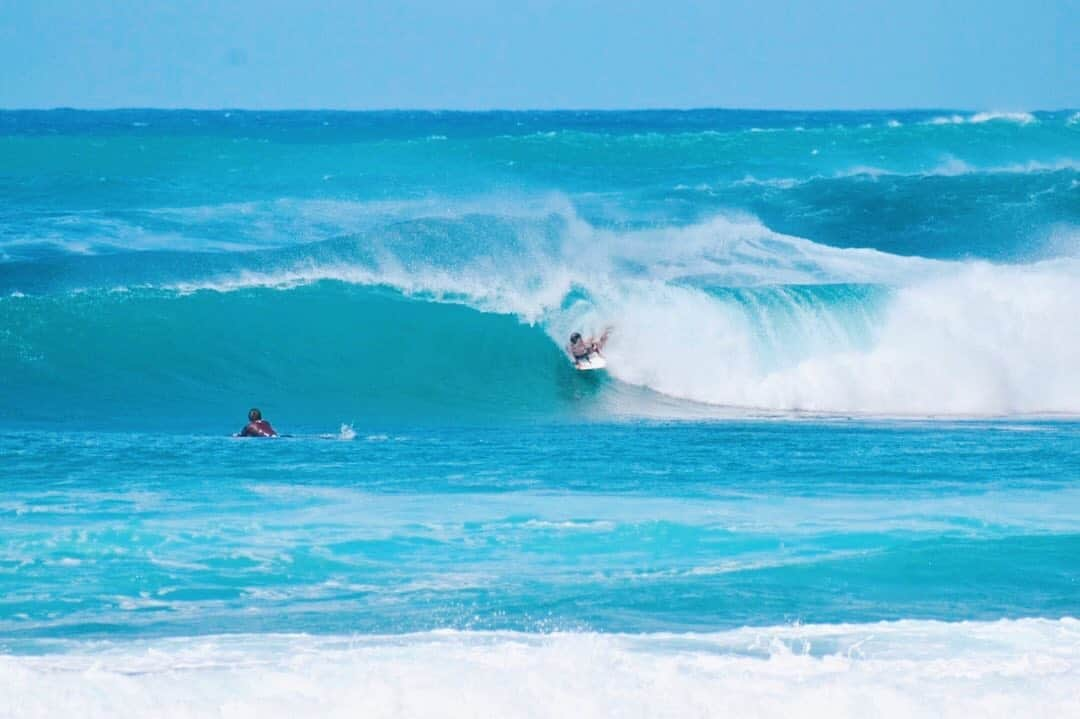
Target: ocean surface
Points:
(833, 468)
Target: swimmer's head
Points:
(254, 415)
(575, 337)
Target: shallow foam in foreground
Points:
(1028, 667)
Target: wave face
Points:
(165, 268)
(353, 352)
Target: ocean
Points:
(830, 471)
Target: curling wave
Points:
(393, 323)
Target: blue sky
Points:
(482, 54)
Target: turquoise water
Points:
(830, 469)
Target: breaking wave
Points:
(394, 323)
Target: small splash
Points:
(346, 432)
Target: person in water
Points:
(257, 426)
(581, 349)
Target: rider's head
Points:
(576, 337)
(254, 415)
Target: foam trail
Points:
(904, 669)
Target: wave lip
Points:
(899, 669)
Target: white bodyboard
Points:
(594, 361)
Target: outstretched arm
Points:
(598, 344)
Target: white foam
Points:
(975, 339)
(594, 525)
(953, 167)
(1020, 118)
(904, 669)
(948, 166)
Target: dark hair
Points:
(575, 337)
(254, 415)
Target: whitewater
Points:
(830, 469)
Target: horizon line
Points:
(688, 109)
